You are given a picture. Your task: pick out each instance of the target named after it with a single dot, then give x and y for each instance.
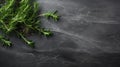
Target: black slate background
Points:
(87, 35)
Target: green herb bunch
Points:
(22, 17)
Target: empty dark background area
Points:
(87, 35)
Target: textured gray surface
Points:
(87, 35)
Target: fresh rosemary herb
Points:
(22, 17)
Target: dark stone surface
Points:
(87, 35)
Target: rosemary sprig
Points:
(29, 42)
(5, 41)
(46, 32)
(52, 15)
